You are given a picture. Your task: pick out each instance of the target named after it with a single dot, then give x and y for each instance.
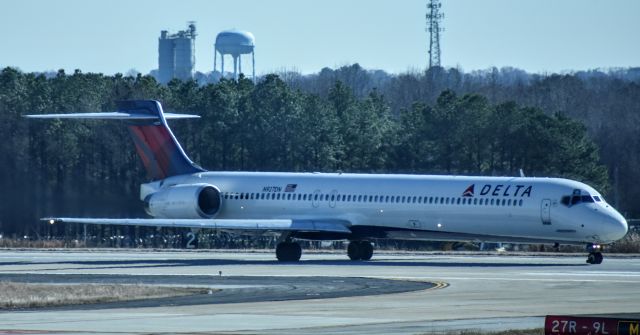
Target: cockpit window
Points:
(575, 200)
(587, 198)
(578, 197)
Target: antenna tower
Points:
(434, 27)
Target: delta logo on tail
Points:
(500, 190)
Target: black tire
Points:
(288, 252)
(353, 250)
(598, 258)
(281, 252)
(366, 250)
(295, 252)
(595, 258)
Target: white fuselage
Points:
(501, 209)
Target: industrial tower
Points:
(177, 54)
(434, 20)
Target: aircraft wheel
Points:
(353, 250)
(599, 258)
(288, 252)
(360, 250)
(595, 258)
(591, 258)
(366, 250)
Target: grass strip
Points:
(27, 295)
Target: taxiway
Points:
(490, 292)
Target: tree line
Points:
(363, 122)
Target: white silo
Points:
(166, 58)
(176, 54)
(185, 53)
(235, 43)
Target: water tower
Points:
(235, 43)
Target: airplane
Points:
(359, 208)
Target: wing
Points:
(111, 116)
(327, 226)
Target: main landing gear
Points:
(360, 250)
(595, 254)
(288, 251)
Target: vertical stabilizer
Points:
(159, 150)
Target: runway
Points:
(490, 292)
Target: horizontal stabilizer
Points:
(112, 116)
(333, 226)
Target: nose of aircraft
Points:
(618, 226)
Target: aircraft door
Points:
(333, 198)
(315, 201)
(545, 211)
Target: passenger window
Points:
(520, 202)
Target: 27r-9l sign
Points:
(565, 325)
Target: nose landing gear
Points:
(595, 254)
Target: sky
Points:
(111, 36)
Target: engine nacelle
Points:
(191, 201)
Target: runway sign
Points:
(565, 325)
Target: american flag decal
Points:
(290, 188)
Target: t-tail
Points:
(158, 148)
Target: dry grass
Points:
(629, 244)
(23, 295)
